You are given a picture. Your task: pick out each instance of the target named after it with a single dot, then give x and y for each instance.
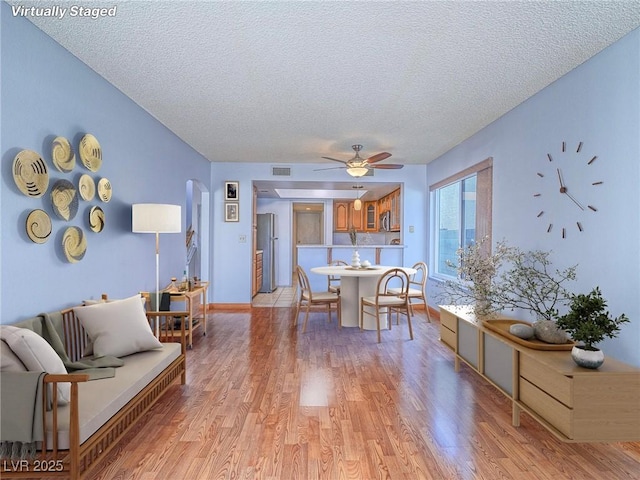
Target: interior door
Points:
(308, 226)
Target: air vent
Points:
(281, 171)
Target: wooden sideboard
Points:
(575, 404)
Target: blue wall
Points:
(47, 92)
(230, 255)
(598, 103)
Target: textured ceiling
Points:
(290, 82)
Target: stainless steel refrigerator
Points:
(266, 236)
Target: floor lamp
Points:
(156, 218)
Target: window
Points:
(462, 212)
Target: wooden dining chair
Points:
(308, 298)
(386, 301)
(418, 286)
(333, 281)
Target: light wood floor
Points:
(264, 401)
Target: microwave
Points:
(385, 221)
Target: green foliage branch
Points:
(588, 320)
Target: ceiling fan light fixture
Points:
(357, 171)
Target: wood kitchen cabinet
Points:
(357, 218)
(575, 404)
(341, 216)
(257, 266)
(371, 216)
(395, 210)
(346, 216)
(383, 205)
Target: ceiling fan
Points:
(358, 166)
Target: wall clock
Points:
(567, 191)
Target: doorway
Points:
(197, 230)
(308, 227)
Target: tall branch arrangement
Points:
(508, 278)
(477, 271)
(531, 283)
(353, 236)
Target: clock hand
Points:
(563, 189)
(573, 199)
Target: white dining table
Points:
(356, 283)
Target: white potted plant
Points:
(588, 322)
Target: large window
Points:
(462, 209)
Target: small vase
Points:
(355, 259)
(587, 358)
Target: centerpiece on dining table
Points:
(355, 257)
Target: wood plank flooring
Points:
(264, 401)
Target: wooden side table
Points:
(198, 292)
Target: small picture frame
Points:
(232, 212)
(231, 191)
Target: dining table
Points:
(355, 283)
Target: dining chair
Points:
(417, 287)
(333, 281)
(386, 301)
(308, 298)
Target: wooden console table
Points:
(195, 320)
(575, 404)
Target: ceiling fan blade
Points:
(378, 157)
(388, 166)
(330, 168)
(335, 160)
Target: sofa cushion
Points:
(36, 354)
(99, 400)
(88, 349)
(9, 362)
(117, 328)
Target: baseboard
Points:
(433, 313)
(229, 307)
(246, 307)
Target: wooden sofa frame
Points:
(76, 462)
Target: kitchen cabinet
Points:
(575, 404)
(395, 210)
(371, 216)
(346, 216)
(257, 267)
(383, 205)
(341, 216)
(357, 218)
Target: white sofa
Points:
(78, 433)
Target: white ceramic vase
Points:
(587, 358)
(355, 259)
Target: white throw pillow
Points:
(37, 355)
(117, 328)
(9, 362)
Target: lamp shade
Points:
(357, 171)
(155, 218)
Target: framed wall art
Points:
(231, 212)
(231, 191)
